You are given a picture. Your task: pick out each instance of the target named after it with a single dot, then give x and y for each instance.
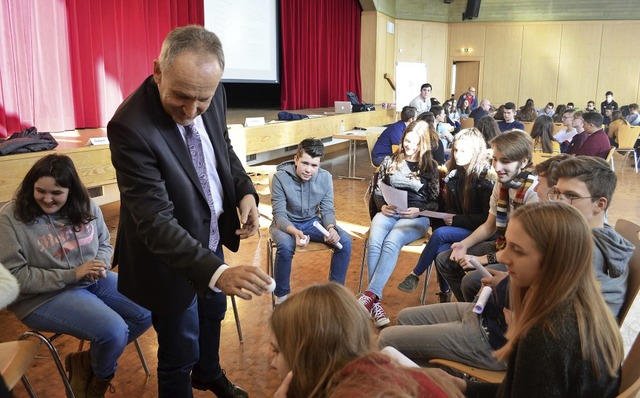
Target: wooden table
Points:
(354, 136)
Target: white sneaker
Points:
(279, 300)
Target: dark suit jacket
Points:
(477, 114)
(163, 233)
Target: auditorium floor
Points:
(248, 364)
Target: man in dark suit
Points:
(480, 112)
(170, 209)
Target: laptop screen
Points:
(343, 107)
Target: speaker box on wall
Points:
(448, 1)
(473, 9)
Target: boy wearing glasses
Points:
(587, 183)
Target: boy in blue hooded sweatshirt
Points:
(302, 193)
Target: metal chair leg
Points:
(235, 314)
(364, 258)
(27, 386)
(54, 355)
(270, 265)
(423, 297)
(143, 360)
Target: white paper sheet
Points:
(394, 197)
(435, 214)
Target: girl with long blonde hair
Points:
(562, 339)
(467, 190)
(322, 341)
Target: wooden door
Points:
(467, 75)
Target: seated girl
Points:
(466, 195)
(322, 341)
(411, 169)
(542, 134)
(562, 340)
(56, 244)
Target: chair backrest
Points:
(372, 137)
(630, 231)
(627, 136)
(527, 126)
(609, 157)
(557, 127)
(466, 123)
(630, 384)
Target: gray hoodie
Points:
(293, 199)
(611, 256)
(44, 254)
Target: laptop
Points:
(343, 107)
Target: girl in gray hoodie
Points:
(56, 244)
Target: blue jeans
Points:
(97, 313)
(286, 246)
(386, 238)
(441, 240)
(189, 340)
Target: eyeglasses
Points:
(558, 196)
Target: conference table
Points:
(354, 136)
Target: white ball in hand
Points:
(272, 286)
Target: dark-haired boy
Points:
(302, 193)
(509, 122)
(597, 142)
(392, 135)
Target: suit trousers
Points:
(190, 341)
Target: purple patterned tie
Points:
(197, 157)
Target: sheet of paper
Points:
(435, 214)
(394, 197)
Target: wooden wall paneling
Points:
(578, 71)
(434, 55)
(467, 36)
(389, 63)
(577, 80)
(580, 39)
(409, 41)
(368, 54)
(541, 40)
(620, 75)
(619, 61)
(540, 62)
(538, 79)
(500, 76)
(619, 38)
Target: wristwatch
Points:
(492, 258)
(330, 226)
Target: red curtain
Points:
(69, 64)
(320, 52)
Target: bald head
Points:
(485, 104)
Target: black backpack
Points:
(357, 105)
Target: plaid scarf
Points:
(522, 183)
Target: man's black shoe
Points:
(222, 387)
